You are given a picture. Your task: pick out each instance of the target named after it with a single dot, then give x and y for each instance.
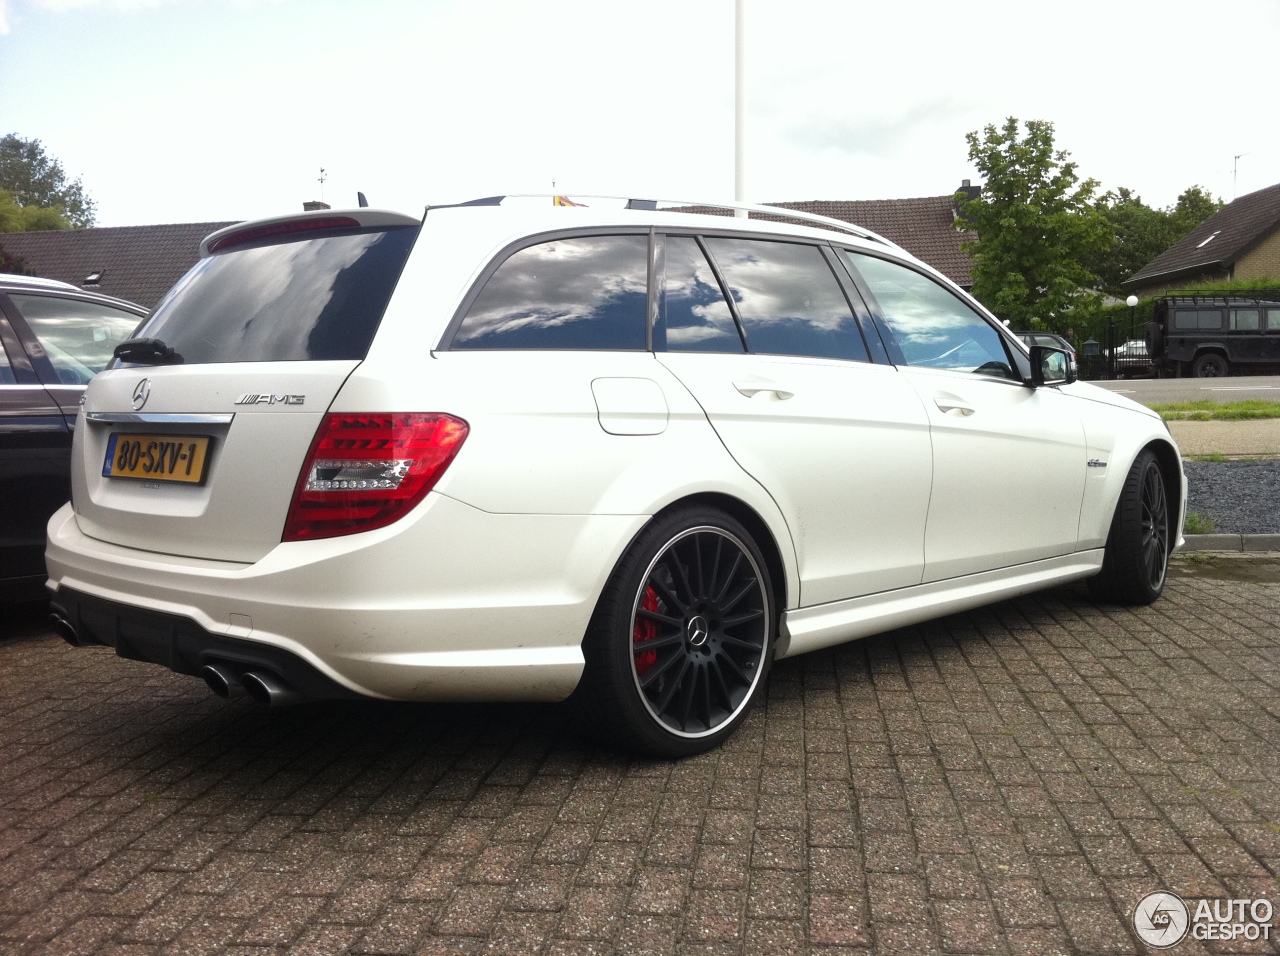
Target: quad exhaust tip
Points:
(64, 629)
(222, 681)
(261, 687)
(268, 690)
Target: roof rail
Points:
(1223, 296)
(633, 203)
(36, 282)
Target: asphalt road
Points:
(1158, 391)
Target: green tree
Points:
(1036, 223)
(16, 218)
(1139, 232)
(1193, 207)
(34, 178)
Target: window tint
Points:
(78, 337)
(933, 327)
(788, 300)
(583, 293)
(1273, 320)
(1245, 320)
(695, 315)
(306, 299)
(1197, 319)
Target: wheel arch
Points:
(1174, 487)
(754, 523)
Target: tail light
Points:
(366, 471)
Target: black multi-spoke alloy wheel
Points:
(1137, 556)
(682, 638)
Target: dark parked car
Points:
(1211, 337)
(1047, 338)
(53, 339)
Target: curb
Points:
(1231, 542)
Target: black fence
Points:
(1122, 353)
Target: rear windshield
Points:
(303, 300)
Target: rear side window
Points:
(788, 299)
(1191, 319)
(313, 299)
(587, 292)
(78, 337)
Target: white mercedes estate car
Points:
(629, 453)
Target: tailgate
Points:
(208, 467)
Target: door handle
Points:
(949, 405)
(752, 389)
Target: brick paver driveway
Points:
(1008, 781)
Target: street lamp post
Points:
(1132, 303)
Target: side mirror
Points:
(1051, 367)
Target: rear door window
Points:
(78, 337)
(788, 299)
(314, 299)
(6, 370)
(1245, 320)
(694, 316)
(584, 292)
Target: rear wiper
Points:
(147, 352)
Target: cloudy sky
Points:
(193, 110)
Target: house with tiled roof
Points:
(1240, 241)
(138, 263)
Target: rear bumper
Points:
(184, 647)
(451, 603)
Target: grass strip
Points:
(1251, 408)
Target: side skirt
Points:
(812, 628)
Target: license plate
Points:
(157, 457)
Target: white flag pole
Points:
(740, 106)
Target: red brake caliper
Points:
(646, 631)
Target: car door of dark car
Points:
(35, 461)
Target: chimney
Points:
(971, 192)
(315, 206)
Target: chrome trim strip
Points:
(155, 418)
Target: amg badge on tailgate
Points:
(253, 398)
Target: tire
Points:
(1210, 365)
(1136, 561)
(680, 645)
